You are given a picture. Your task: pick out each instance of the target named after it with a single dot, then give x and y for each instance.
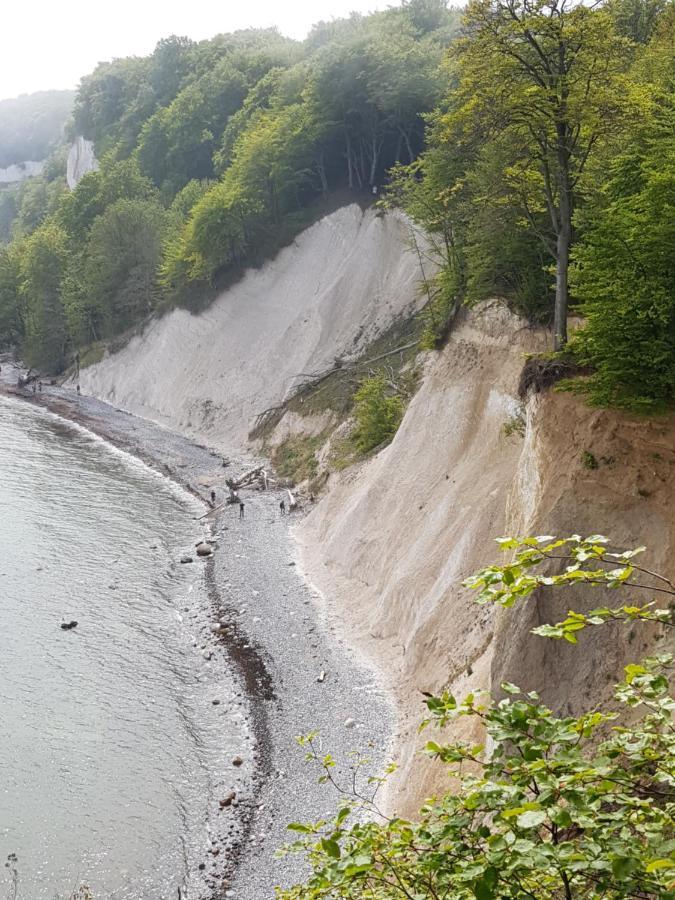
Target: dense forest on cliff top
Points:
(533, 141)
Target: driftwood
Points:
(270, 417)
(255, 477)
(211, 511)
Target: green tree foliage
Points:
(42, 267)
(549, 806)
(117, 285)
(624, 271)
(10, 314)
(378, 411)
(540, 84)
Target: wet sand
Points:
(276, 640)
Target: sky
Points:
(47, 44)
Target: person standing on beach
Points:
(282, 507)
(213, 498)
(241, 509)
(78, 390)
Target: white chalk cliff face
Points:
(333, 291)
(393, 539)
(81, 160)
(20, 171)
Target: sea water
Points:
(106, 752)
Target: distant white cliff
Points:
(81, 160)
(20, 171)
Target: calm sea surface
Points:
(105, 744)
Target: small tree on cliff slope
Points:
(558, 807)
(539, 85)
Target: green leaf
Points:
(657, 864)
(331, 847)
(623, 867)
(531, 819)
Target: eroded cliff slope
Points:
(333, 291)
(393, 539)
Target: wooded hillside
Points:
(533, 140)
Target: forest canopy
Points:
(532, 141)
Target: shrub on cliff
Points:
(378, 412)
(550, 806)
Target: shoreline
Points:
(276, 643)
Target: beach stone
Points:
(349, 723)
(204, 549)
(237, 761)
(227, 800)
(186, 559)
(216, 702)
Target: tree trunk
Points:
(350, 173)
(561, 288)
(373, 161)
(563, 239)
(321, 169)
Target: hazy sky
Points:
(52, 43)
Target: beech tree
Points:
(543, 80)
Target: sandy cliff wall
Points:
(391, 542)
(341, 283)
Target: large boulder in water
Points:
(204, 549)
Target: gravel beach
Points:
(274, 635)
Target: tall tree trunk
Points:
(350, 171)
(373, 161)
(561, 288)
(563, 241)
(321, 169)
(404, 133)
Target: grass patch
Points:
(93, 354)
(296, 460)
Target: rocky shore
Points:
(267, 624)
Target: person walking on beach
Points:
(282, 507)
(78, 390)
(241, 509)
(213, 498)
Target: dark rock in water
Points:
(237, 761)
(67, 626)
(186, 559)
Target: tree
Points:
(119, 272)
(43, 261)
(11, 327)
(623, 270)
(557, 807)
(378, 413)
(544, 80)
